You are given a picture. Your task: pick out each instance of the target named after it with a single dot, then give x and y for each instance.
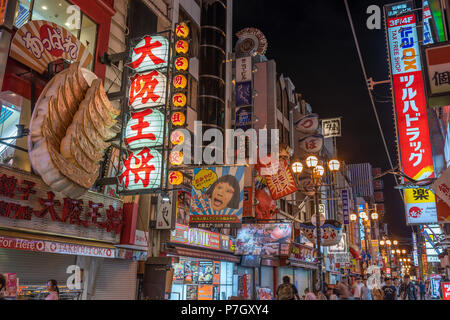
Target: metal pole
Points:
(319, 236)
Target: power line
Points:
(370, 92)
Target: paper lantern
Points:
(177, 137)
(178, 119)
(179, 81)
(141, 169)
(182, 47)
(147, 90)
(175, 178)
(179, 100)
(182, 30)
(181, 64)
(150, 53)
(145, 129)
(176, 158)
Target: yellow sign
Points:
(204, 179)
(182, 30)
(175, 178)
(176, 158)
(178, 119)
(179, 81)
(182, 46)
(179, 100)
(181, 64)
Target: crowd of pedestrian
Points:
(390, 289)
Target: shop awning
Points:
(205, 254)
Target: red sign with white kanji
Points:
(282, 183)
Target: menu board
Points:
(205, 272)
(266, 240)
(191, 272)
(191, 292)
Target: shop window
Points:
(62, 13)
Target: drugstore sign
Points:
(412, 122)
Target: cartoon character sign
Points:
(217, 195)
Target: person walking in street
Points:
(397, 284)
(407, 289)
(309, 295)
(287, 291)
(52, 286)
(357, 289)
(389, 291)
(422, 290)
(365, 292)
(320, 295)
(331, 294)
(342, 287)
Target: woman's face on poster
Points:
(221, 196)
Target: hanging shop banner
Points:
(283, 183)
(331, 232)
(244, 69)
(442, 189)
(331, 128)
(427, 22)
(244, 94)
(201, 238)
(416, 157)
(437, 61)
(166, 212)
(266, 240)
(248, 202)
(217, 197)
(39, 42)
(243, 118)
(312, 143)
(27, 203)
(308, 123)
(302, 253)
(69, 131)
(345, 206)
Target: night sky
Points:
(312, 44)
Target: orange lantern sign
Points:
(182, 46)
(177, 137)
(176, 158)
(178, 119)
(182, 30)
(175, 178)
(181, 64)
(179, 81)
(179, 100)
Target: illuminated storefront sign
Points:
(147, 90)
(150, 53)
(412, 122)
(145, 129)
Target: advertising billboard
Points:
(266, 240)
(416, 159)
(217, 197)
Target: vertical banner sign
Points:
(244, 93)
(179, 101)
(445, 290)
(411, 114)
(345, 206)
(427, 21)
(142, 163)
(244, 69)
(217, 197)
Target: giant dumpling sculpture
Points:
(69, 129)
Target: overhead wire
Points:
(370, 93)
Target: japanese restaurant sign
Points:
(302, 253)
(416, 157)
(200, 238)
(40, 42)
(27, 203)
(143, 135)
(331, 128)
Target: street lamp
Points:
(395, 242)
(363, 215)
(297, 167)
(403, 251)
(381, 242)
(353, 217)
(388, 242)
(374, 216)
(312, 161)
(334, 165)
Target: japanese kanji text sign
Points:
(244, 69)
(412, 122)
(27, 203)
(39, 42)
(438, 71)
(283, 183)
(442, 189)
(312, 143)
(152, 52)
(331, 128)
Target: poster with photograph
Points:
(191, 272)
(178, 271)
(267, 240)
(191, 293)
(205, 272)
(217, 197)
(183, 204)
